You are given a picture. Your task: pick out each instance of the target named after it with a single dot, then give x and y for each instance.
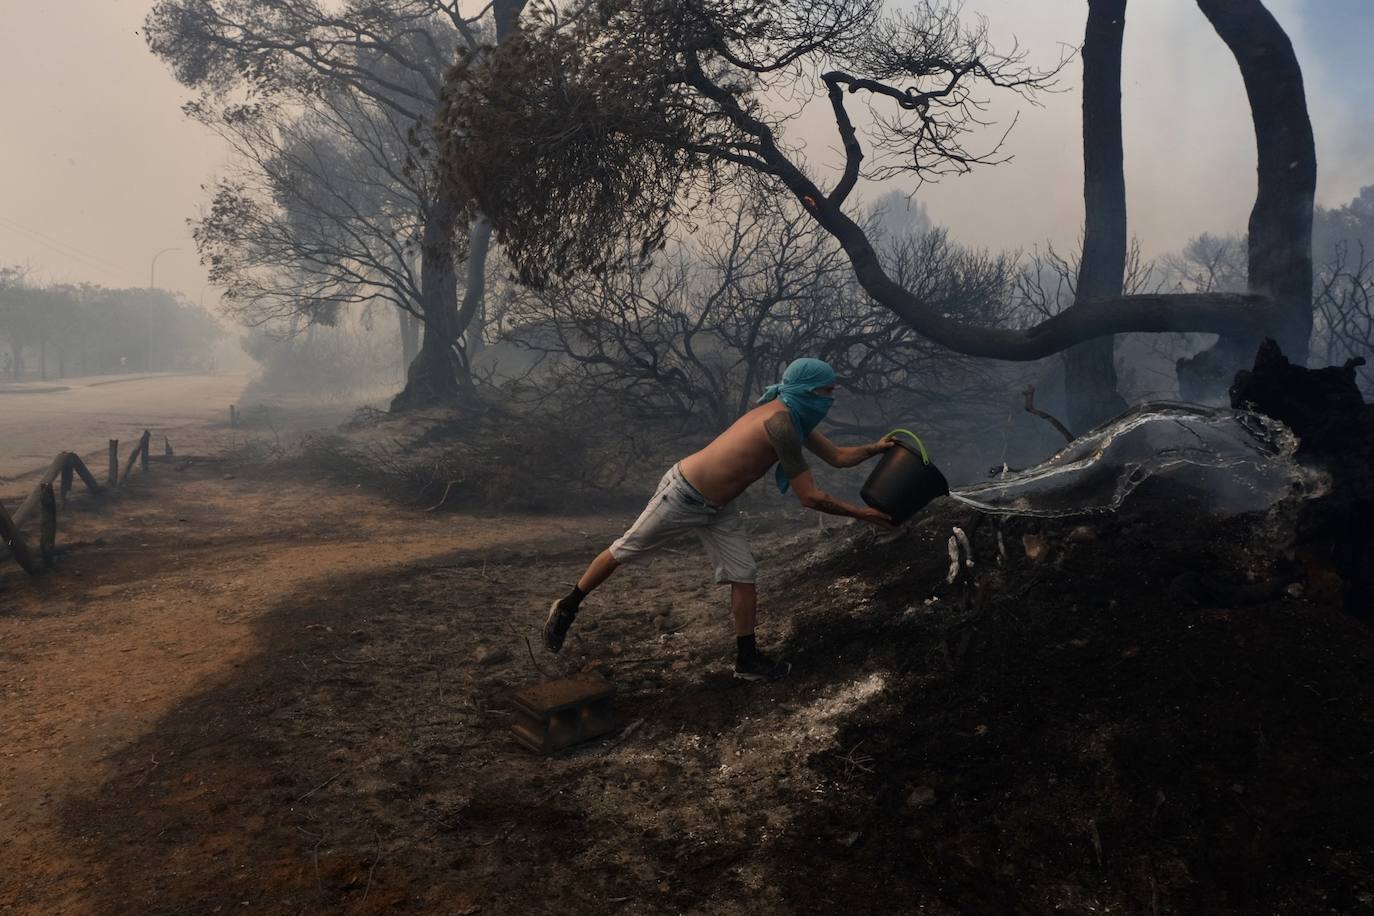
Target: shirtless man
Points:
(697, 494)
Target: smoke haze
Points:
(101, 170)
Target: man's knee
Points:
(738, 574)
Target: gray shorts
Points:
(677, 508)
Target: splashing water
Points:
(1236, 461)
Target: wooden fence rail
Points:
(43, 501)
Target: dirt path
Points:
(82, 414)
(160, 595)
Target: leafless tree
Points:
(1210, 263)
(319, 212)
(696, 335)
(1344, 300)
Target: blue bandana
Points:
(796, 390)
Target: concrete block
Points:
(558, 714)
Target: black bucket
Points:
(904, 480)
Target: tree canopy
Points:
(613, 117)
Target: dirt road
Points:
(39, 419)
(160, 595)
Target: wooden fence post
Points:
(113, 480)
(30, 505)
(84, 473)
(9, 534)
(47, 538)
(233, 417)
(143, 451)
(67, 473)
(131, 461)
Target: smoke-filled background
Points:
(313, 417)
(101, 170)
(110, 177)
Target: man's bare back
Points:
(734, 459)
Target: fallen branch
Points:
(1049, 418)
(443, 499)
(528, 648)
(625, 733)
(320, 786)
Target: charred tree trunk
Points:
(438, 374)
(1280, 252)
(441, 372)
(1334, 541)
(1090, 368)
(410, 338)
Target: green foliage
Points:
(571, 137)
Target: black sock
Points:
(575, 597)
(745, 648)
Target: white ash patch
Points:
(819, 721)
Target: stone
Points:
(491, 655)
(1037, 546)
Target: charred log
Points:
(1334, 542)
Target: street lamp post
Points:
(153, 266)
(147, 321)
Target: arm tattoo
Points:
(782, 435)
(831, 506)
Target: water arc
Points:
(1234, 460)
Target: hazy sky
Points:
(99, 169)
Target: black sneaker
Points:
(556, 625)
(759, 667)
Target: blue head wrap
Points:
(796, 390)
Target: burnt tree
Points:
(1090, 368)
(1280, 240)
(613, 120)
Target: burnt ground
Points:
(1143, 721)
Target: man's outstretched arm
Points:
(782, 435)
(845, 456)
(813, 497)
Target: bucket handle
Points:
(924, 457)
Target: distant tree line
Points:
(60, 330)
